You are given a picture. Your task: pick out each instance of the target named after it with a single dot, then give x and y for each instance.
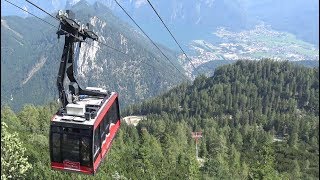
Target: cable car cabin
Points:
(82, 130)
(81, 137)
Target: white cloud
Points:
(140, 3)
(25, 13)
(198, 8)
(72, 2)
(209, 2)
(56, 4)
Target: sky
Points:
(50, 6)
(302, 14)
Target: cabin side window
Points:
(106, 122)
(102, 132)
(97, 142)
(56, 155)
(114, 113)
(117, 116)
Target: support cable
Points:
(172, 36)
(147, 36)
(55, 26)
(110, 46)
(41, 9)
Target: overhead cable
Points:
(31, 13)
(147, 36)
(110, 46)
(81, 39)
(41, 9)
(173, 36)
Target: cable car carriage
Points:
(82, 130)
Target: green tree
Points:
(9, 117)
(234, 163)
(296, 172)
(14, 164)
(293, 136)
(262, 166)
(217, 168)
(29, 117)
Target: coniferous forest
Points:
(259, 120)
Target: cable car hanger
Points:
(74, 33)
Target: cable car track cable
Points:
(146, 35)
(183, 76)
(112, 47)
(30, 13)
(86, 41)
(41, 9)
(172, 36)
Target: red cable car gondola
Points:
(82, 130)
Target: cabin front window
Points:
(71, 144)
(70, 148)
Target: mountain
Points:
(242, 79)
(192, 20)
(222, 29)
(30, 56)
(211, 32)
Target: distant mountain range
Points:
(213, 33)
(190, 20)
(288, 23)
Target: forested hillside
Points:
(263, 116)
(259, 119)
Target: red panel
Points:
(97, 162)
(71, 164)
(106, 146)
(113, 131)
(60, 166)
(105, 110)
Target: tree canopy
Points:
(259, 120)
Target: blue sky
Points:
(283, 15)
(48, 5)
